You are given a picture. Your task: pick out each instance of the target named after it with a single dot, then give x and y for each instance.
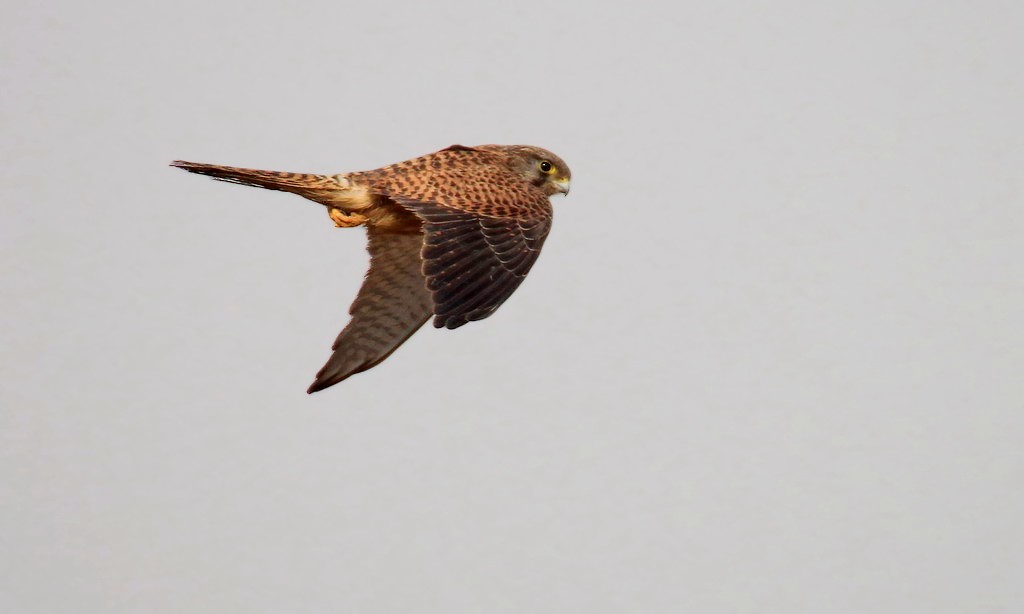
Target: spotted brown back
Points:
(474, 180)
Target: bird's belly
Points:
(389, 216)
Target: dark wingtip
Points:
(451, 322)
(319, 385)
(326, 382)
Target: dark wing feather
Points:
(484, 226)
(473, 263)
(392, 304)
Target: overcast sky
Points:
(769, 361)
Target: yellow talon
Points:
(345, 220)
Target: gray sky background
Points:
(770, 359)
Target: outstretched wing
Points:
(392, 304)
(484, 226)
(473, 263)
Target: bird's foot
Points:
(346, 220)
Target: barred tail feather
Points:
(305, 184)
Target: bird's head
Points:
(537, 166)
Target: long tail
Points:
(321, 188)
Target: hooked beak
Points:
(562, 185)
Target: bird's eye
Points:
(546, 167)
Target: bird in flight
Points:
(451, 234)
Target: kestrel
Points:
(451, 234)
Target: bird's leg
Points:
(346, 220)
